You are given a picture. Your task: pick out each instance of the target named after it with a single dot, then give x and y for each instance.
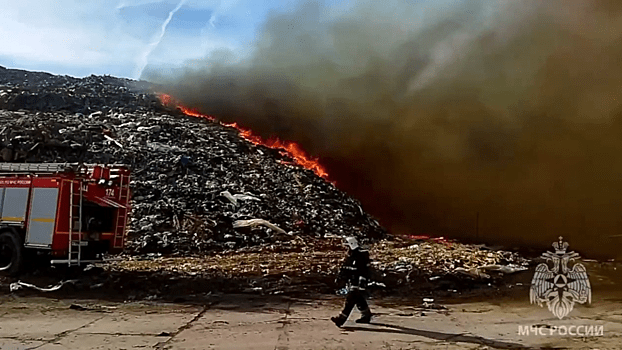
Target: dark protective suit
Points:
(356, 272)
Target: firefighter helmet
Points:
(352, 242)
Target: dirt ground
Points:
(195, 313)
(242, 321)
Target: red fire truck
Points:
(74, 213)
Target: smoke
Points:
(144, 58)
(496, 121)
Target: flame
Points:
(291, 149)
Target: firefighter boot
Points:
(339, 320)
(365, 316)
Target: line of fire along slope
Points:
(291, 149)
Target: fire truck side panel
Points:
(42, 217)
(61, 236)
(15, 201)
(62, 213)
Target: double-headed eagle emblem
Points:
(560, 287)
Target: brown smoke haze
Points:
(436, 113)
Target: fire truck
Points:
(72, 213)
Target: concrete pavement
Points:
(271, 323)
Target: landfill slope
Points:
(196, 183)
(211, 211)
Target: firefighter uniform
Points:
(356, 272)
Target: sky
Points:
(122, 37)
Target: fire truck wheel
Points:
(10, 254)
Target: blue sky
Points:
(80, 38)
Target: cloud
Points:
(64, 33)
(69, 36)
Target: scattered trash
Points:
(97, 308)
(238, 197)
(15, 286)
(259, 222)
(508, 269)
(429, 305)
(435, 258)
(473, 272)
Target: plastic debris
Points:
(15, 286)
(259, 222)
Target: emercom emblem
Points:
(557, 285)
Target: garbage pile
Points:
(197, 185)
(211, 210)
(39, 91)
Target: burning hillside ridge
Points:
(489, 120)
(292, 149)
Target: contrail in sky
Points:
(145, 56)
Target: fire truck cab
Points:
(73, 213)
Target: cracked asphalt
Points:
(284, 323)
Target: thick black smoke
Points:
(499, 121)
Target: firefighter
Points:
(356, 272)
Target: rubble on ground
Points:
(416, 265)
(421, 257)
(409, 260)
(296, 267)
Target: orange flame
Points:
(291, 149)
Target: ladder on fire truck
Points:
(75, 203)
(123, 212)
